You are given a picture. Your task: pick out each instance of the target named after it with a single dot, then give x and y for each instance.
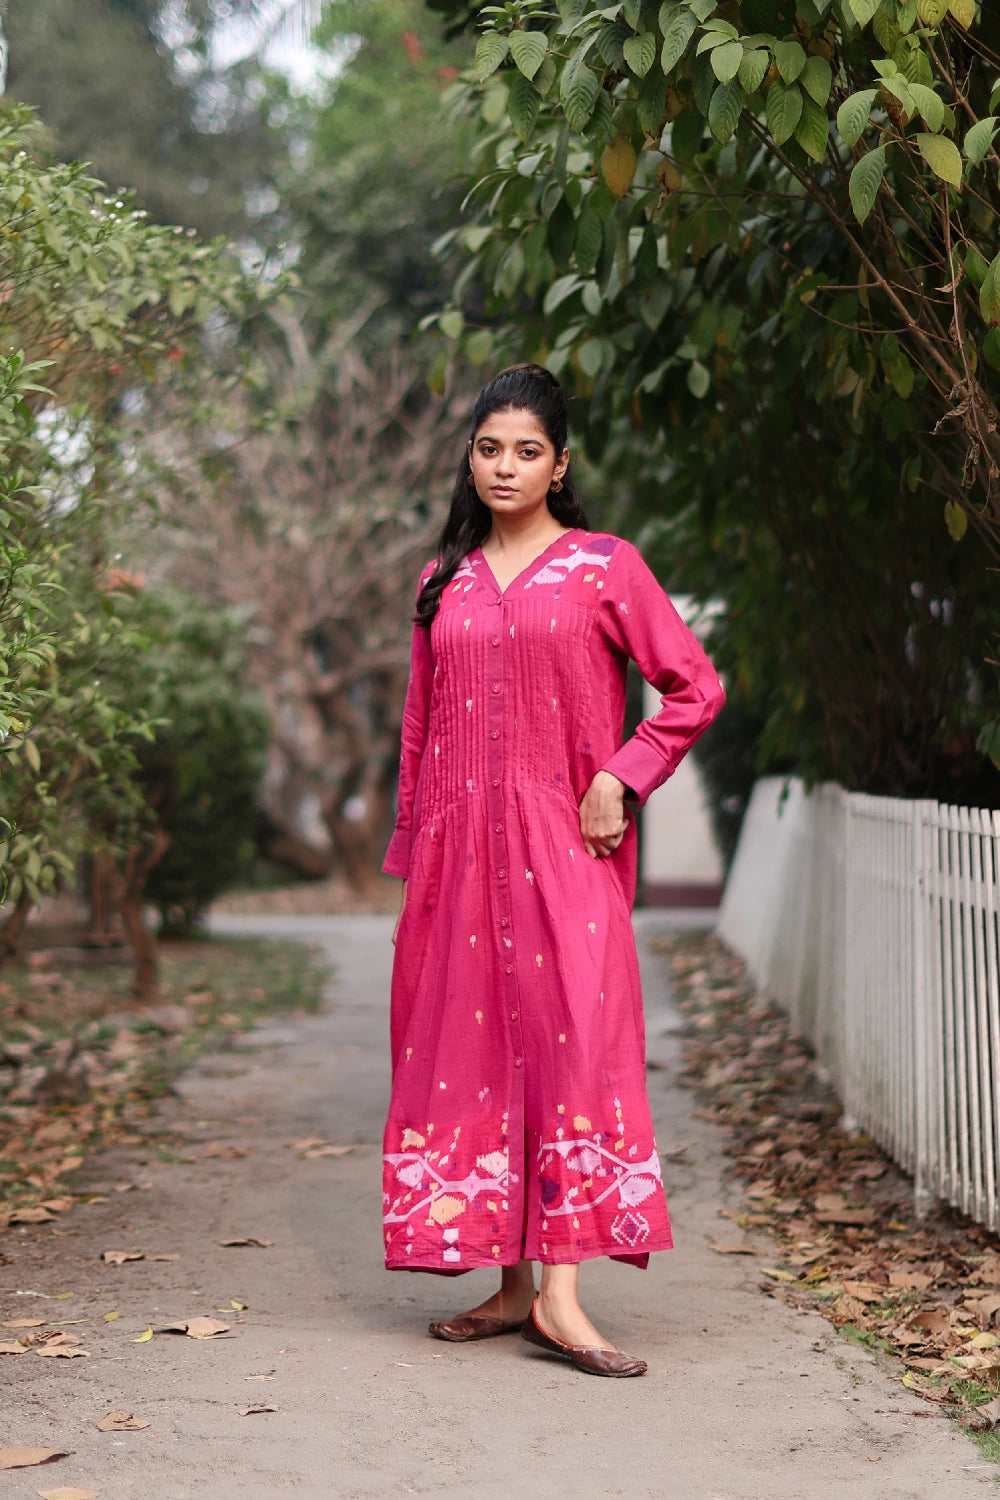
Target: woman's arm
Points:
(639, 620)
(416, 712)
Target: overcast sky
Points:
(288, 51)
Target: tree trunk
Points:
(13, 929)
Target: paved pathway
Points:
(745, 1400)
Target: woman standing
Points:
(519, 1127)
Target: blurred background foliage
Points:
(232, 382)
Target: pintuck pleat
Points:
(519, 1124)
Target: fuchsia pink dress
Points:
(519, 1126)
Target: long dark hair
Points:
(519, 388)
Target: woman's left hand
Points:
(602, 815)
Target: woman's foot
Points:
(504, 1312)
(565, 1320)
(600, 1359)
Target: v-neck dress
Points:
(519, 1125)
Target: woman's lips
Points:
(502, 489)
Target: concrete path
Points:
(745, 1399)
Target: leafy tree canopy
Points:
(759, 239)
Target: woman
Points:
(519, 1127)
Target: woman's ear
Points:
(562, 464)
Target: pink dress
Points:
(519, 1125)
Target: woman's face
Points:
(514, 463)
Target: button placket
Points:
(496, 712)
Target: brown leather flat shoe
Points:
(614, 1362)
(470, 1326)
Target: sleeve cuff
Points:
(397, 856)
(640, 768)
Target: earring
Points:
(470, 480)
(556, 486)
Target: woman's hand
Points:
(402, 904)
(602, 815)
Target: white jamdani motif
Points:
(633, 1181)
(558, 569)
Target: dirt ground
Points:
(746, 1399)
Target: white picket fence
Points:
(875, 923)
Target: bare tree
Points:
(316, 531)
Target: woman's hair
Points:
(519, 388)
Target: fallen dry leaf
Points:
(144, 1338)
(119, 1257)
(313, 1140)
(258, 1410)
(736, 1250)
(13, 1348)
(27, 1458)
(910, 1281)
(846, 1216)
(121, 1421)
(198, 1328)
(68, 1492)
(986, 1416)
(932, 1320)
(25, 1323)
(227, 1152)
(167, 1255)
(251, 1240)
(62, 1351)
(37, 1215)
(327, 1151)
(57, 1205)
(111, 1317)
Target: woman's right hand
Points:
(402, 904)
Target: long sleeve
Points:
(416, 711)
(639, 620)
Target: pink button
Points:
(496, 781)
(513, 1015)
(505, 921)
(495, 641)
(508, 968)
(501, 874)
(495, 688)
(498, 828)
(494, 734)
(517, 1062)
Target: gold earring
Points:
(556, 486)
(470, 480)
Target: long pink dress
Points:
(519, 1125)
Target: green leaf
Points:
(451, 323)
(589, 238)
(782, 109)
(523, 104)
(559, 291)
(817, 79)
(930, 105)
(724, 109)
(852, 116)
(640, 53)
(988, 741)
(975, 266)
(866, 179)
(491, 51)
(789, 59)
(979, 139)
(651, 103)
(32, 756)
(686, 134)
(932, 12)
(863, 10)
(698, 379)
(528, 49)
(580, 98)
(991, 349)
(682, 28)
(591, 357)
(726, 61)
(956, 519)
(942, 156)
(989, 293)
(752, 69)
(896, 85)
(813, 129)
